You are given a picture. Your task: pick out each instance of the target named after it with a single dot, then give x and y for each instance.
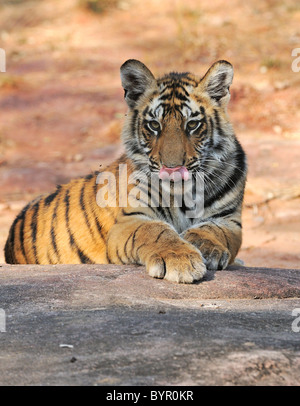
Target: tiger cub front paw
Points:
(181, 264)
(215, 255)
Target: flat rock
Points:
(107, 284)
(115, 325)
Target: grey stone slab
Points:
(121, 327)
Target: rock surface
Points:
(114, 325)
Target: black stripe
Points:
(212, 126)
(98, 225)
(240, 156)
(53, 234)
(134, 235)
(67, 202)
(144, 192)
(173, 87)
(54, 242)
(237, 223)
(151, 114)
(99, 228)
(145, 111)
(162, 203)
(219, 146)
(162, 211)
(165, 267)
(125, 246)
(225, 236)
(83, 208)
(107, 207)
(22, 218)
(219, 90)
(33, 227)
(184, 208)
(83, 257)
(107, 256)
(225, 213)
(89, 177)
(137, 251)
(9, 248)
(119, 258)
(217, 121)
(49, 259)
(49, 199)
(134, 213)
(183, 89)
(233, 179)
(133, 121)
(169, 96)
(135, 149)
(160, 234)
(163, 208)
(180, 96)
(149, 193)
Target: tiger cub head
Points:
(177, 121)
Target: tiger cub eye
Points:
(154, 125)
(192, 125)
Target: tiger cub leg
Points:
(156, 245)
(218, 243)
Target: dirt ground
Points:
(62, 107)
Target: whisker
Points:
(226, 181)
(224, 163)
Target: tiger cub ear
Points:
(136, 78)
(217, 80)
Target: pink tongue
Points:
(175, 174)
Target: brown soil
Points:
(61, 102)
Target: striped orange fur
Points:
(177, 124)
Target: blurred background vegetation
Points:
(62, 108)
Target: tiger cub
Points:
(176, 133)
